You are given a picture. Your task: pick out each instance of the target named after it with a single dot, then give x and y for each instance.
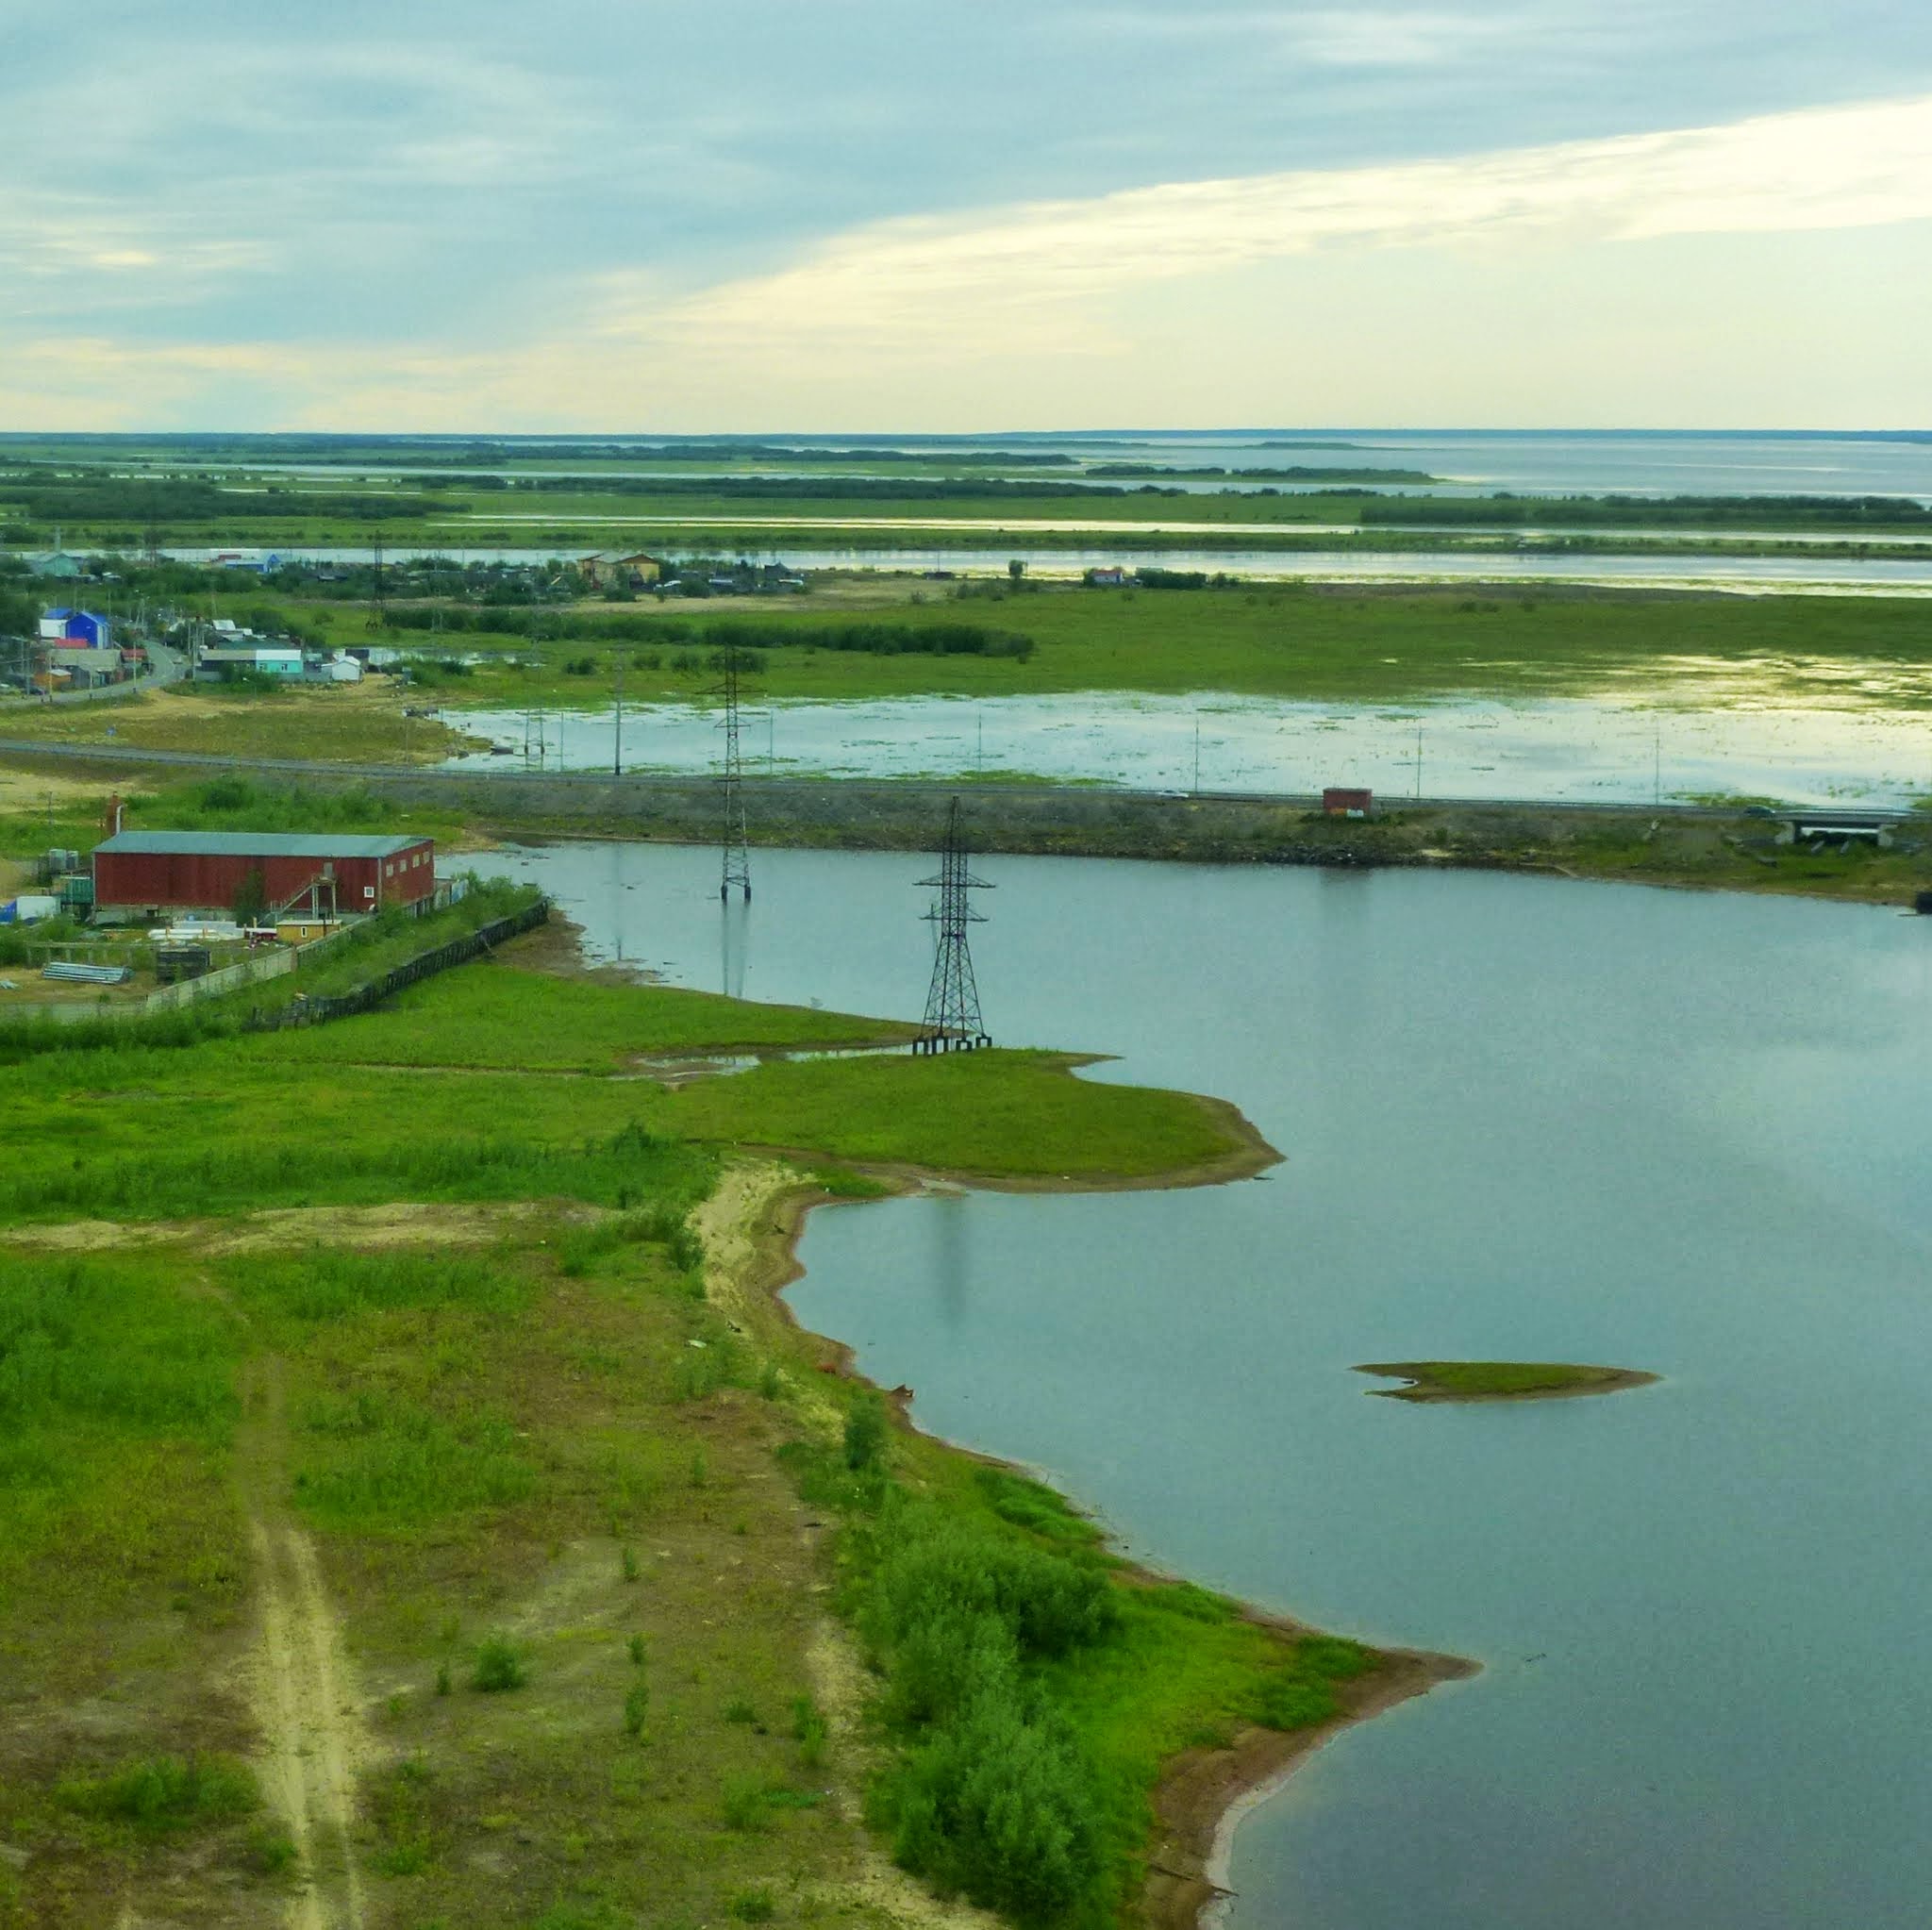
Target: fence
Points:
(305, 1011)
(319, 1012)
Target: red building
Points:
(146, 873)
(1340, 801)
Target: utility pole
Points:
(1418, 763)
(1197, 756)
(953, 1022)
(737, 868)
(617, 742)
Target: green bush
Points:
(637, 1705)
(166, 1792)
(1051, 1603)
(1004, 1808)
(809, 1730)
(865, 1431)
(499, 1666)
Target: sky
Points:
(864, 215)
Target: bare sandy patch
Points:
(22, 790)
(397, 1224)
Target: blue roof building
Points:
(81, 626)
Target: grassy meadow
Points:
(395, 1340)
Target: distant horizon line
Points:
(947, 436)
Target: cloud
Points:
(1043, 300)
(1040, 278)
(1364, 38)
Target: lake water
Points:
(1578, 750)
(1597, 462)
(1522, 1119)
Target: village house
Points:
(606, 570)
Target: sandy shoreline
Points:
(1202, 1794)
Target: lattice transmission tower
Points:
(952, 1005)
(731, 790)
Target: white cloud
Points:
(1049, 310)
(1041, 278)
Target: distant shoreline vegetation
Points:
(1340, 474)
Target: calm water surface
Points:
(1524, 1119)
(1582, 750)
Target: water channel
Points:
(1522, 1118)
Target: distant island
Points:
(1162, 472)
(1500, 1380)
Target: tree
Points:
(251, 897)
(19, 613)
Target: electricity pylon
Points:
(731, 783)
(952, 1005)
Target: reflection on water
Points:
(1522, 1119)
(734, 929)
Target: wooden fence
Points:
(304, 1010)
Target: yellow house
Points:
(298, 931)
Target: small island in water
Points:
(1500, 1380)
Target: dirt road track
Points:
(304, 1696)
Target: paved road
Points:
(170, 666)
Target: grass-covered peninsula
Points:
(421, 1509)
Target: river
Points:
(1522, 1119)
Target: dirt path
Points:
(312, 1727)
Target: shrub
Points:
(270, 1849)
(166, 1792)
(865, 1431)
(499, 1666)
(808, 1730)
(1004, 1809)
(1051, 1603)
(754, 1906)
(746, 1804)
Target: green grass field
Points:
(1284, 641)
(418, 1290)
